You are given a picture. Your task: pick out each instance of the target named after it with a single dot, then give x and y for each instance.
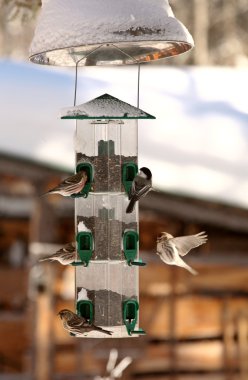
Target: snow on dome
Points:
(69, 29)
(105, 107)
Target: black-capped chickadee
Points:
(141, 185)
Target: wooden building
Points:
(197, 326)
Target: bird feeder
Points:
(107, 32)
(107, 237)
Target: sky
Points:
(197, 145)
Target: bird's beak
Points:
(159, 238)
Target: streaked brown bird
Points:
(170, 249)
(65, 255)
(78, 325)
(71, 185)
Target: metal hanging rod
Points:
(99, 47)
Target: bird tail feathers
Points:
(49, 192)
(191, 270)
(46, 259)
(130, 206)
(103, 330)
(182, 264)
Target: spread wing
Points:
(185, 243)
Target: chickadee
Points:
(141, 185)
(78, 325)
(71, 185)
(65, 255)
(170, 248)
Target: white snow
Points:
(82, 295)
(72, 23)
(104, 107)
(82, 227)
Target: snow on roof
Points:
(70, 24)
(105, 107)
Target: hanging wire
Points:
(117, 48)
(138, 90)
(76, 74)
(138, 63)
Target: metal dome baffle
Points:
(107, 237)
(98, 32)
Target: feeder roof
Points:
(105, 107)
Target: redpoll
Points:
(71, 185)
(78, 325)
(141, 185)
(170, 248)
(65, 255)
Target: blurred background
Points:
(197, 327)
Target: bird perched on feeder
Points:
(65, 255)
(170, 248)
(78, 325)
(71, 185)
(141, 185)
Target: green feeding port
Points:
(85, 247)
(130, 248)
(89, 170)
(130, 316)
(85, 310)
(129, 171)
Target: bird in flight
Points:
(172, 249)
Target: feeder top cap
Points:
(105, 107)
(107, 32)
